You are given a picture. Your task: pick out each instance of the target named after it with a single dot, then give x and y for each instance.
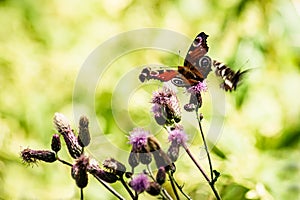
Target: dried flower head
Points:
(139, 183)
(63, 127)
(75, 150)
(32, 156)
(61, 123)
(79, 171)
(166, 108)
(94, 169)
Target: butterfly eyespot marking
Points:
(205, 62)
(177, 81)
(197, 42)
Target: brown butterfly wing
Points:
(197, 50)
(196, 65)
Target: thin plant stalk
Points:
(64, 162)
(127, 188)
(81, 194)
(112, 190)
(173, 187)
(210, 182)
(205, 146)
(180, 187)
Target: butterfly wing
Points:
(196, 65)
(164, 75)
(230, 78)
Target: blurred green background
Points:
(44, 44)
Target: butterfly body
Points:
(196, 67)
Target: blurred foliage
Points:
(44, 43)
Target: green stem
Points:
(205, 146)
(173, 187)
(126, 187)
(112, 190)
(180, 188)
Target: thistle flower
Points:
(84, 137)
(55, 143)
(139, 183)
(198, 88)
(79, 171)
(196, 98)
(138, 139)
(177, 137)
(140, 150)
(166, 107)
(32, 156)
(63, 127)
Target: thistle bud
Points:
(63, 127)
(114, 166)
(201, 116)
(105, 176)
(79, 171)
(75, 150)
(61, 123)
(145, 158)
(133, 159)
(161, 175)
(153, 189)
(55, 144)
(84, 133)
(32, 156)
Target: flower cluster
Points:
(166, 107)
(145, 148)
(195, 98)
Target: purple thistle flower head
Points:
(178, 136)
(156, 109)
(138, 138)
(166, 108)
(200, 87)
(139, 183)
